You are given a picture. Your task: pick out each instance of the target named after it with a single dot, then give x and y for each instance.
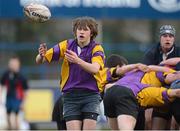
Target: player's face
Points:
(83, 35)
(167, 41)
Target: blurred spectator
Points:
(16, 86)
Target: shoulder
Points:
(177, 47)
(177, 50)
(64, 44)
(153, 49)
(70, 43)
(5, 74)
(67, 41)
(97, 47)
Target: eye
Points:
(165, 35)
(171, 36)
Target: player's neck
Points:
(83, 44)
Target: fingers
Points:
(143, 68)
(71, 52)
(71, 56)
(42, 49)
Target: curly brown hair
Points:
(83, 23)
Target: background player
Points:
(16, 86)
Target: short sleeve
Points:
(56, 52)
(98, 55)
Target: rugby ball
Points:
(37, 12)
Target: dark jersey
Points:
(15, 83)
(155, 55)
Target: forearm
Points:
(2, 92)
(39, 59)
(159, 68)
(171, 78)
(124, 69)
(89, 67)
(172, 61)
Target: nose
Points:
(81, 32)
(169, 37)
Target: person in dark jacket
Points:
(16, 86)
(165, 49)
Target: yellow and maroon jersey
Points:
(72, 75)
(147, 87)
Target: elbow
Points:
(39, 59)
(95, 70)
(37, 62)
(170, 78)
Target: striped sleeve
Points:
(165, 96)
(98, 55)
(161, 76)
(110, 77)
(56, 52)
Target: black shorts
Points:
(175, 107)
(167, 111)
(84, 115)
(81, 104)
(140, 123)
(57, 114)
(120, 100)
(13, 105)
(162, 112)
